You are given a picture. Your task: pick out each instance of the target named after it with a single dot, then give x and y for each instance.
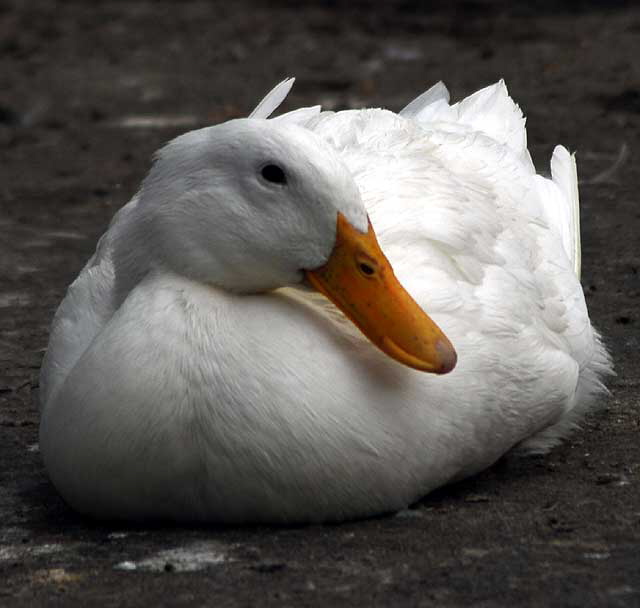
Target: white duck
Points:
(183, 382)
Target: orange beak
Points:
(359, 280)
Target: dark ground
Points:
(79, 85)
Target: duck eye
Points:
(273, 174)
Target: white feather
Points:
(301, 116)
(273, 99)
(438, 92)
(565, 175)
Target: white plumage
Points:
(178, 384)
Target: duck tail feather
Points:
(565, 175)
(492, 111)
(300, 117)
(437, 93)
(273, 99)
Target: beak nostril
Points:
(366, 269)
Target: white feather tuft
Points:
(492, 111)
(565, 175)
(300, 117)
(273, 99)
(438, 92)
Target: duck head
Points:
(251, 205)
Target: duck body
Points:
(166, 396)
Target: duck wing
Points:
(88, 305)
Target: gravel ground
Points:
(89, 90)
